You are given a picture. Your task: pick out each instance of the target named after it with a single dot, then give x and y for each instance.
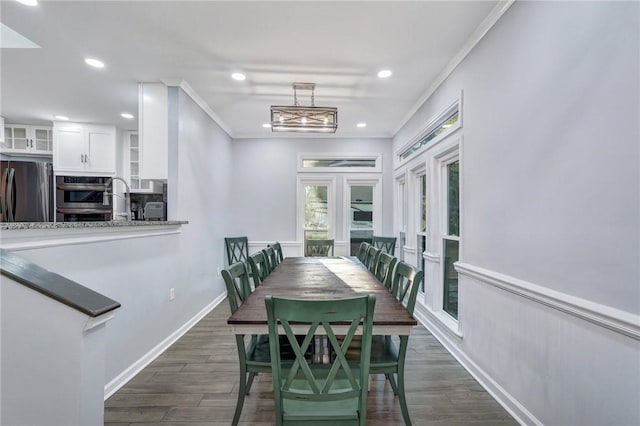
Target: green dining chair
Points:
(386, 357)
(385, 244)
(278, 249)
(270, 253)
(318, 247)
(314, 394)
(253, 357)
(372, 258)
(384, 268)
(362, 253)
(259, 267)
(237, 249)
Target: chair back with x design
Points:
(335, 393)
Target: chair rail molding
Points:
(431, 257)
(613, 319)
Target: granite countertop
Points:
(110, 224)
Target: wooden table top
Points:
(322, 278)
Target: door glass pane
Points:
(361, 217)
(41, 145)
(450, 302)
(453, 198)
(315, 235)
(42, 134)
(20, 138)
(134, 155)
(20, 143)
(135, 183)
(315, 209)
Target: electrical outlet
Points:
(172, 293)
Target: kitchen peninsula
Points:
(32, 235)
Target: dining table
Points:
(322, 278)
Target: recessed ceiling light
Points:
(28, 2)
(266, 125)
(361, 125)
(94, 62)
(238, 76)
(62, 117)
(384, 73)
(126, 115)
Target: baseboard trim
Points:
(504, 398)
(605, 316)
(129, 373)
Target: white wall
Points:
(264, 180)
(550, 271)
(52, 361)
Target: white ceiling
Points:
(340, 46)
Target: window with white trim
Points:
(421, 235)
(401, 215)
(450, 171)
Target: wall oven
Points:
(79, 199)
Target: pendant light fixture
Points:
(306, 119)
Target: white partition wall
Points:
(548, 273)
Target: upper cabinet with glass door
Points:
(132, 162)
(27, 140)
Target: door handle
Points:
(11, 199)
(3, 195)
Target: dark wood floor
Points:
(195, 382)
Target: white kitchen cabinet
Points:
(132, 162)
(84, 149)
(27, 140)
(153, 113)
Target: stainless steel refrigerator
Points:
(26, 191)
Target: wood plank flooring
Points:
(195, 383)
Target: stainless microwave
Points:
(80, 199)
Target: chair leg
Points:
(242, 391)
(392, 382)
(401, 396)
(250, 382)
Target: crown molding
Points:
(201, 103)
(475, 37)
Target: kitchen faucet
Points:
(127, 195)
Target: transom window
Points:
(439, 128)
(340, 163)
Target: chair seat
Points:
(340, 409)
